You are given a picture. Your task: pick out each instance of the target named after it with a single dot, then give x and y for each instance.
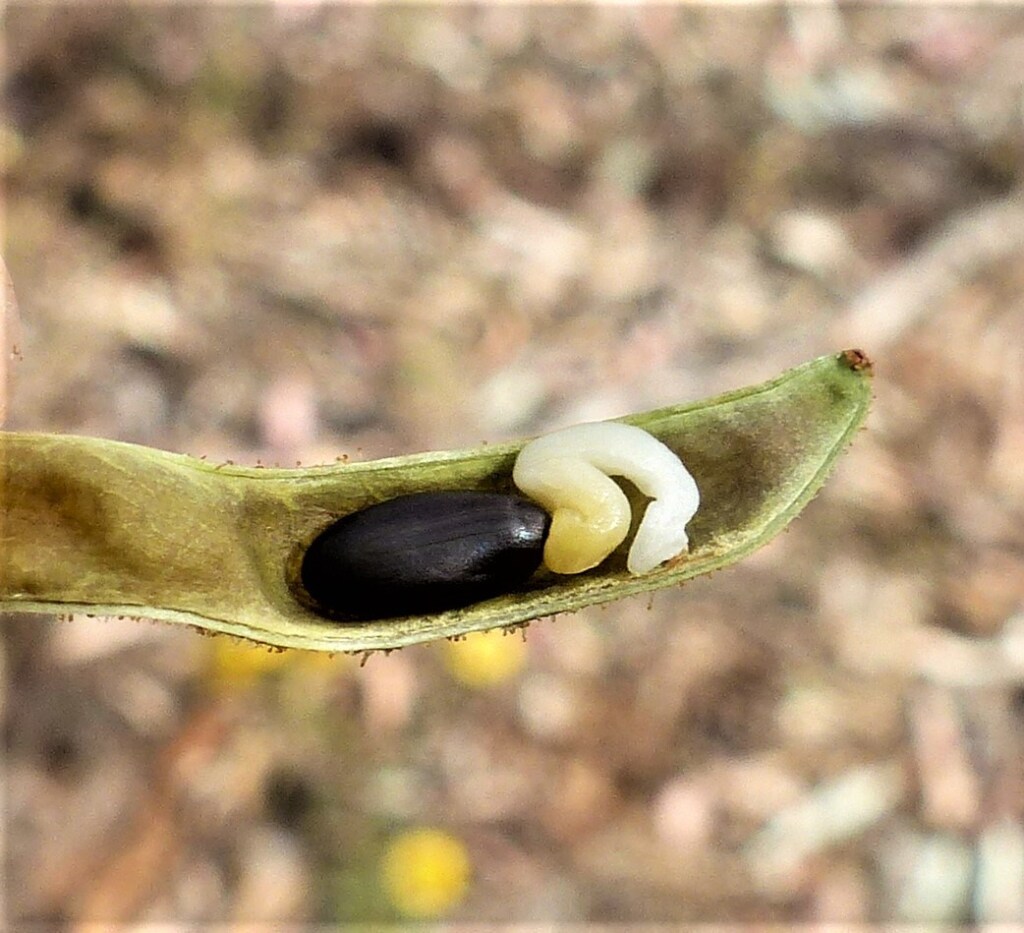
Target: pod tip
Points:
(857, 360)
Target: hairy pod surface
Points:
(424, 552)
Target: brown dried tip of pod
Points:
(857, 360)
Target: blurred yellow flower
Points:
(425, 872)
(485, 658)
(238, 664)
(233, 665)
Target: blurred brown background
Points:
(284, 233)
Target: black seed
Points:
(424, 553)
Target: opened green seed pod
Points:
(101, 527)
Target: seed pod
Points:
(424, 552)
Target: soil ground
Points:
(291, 232)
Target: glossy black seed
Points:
(424, 553)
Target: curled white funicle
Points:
(568, 472)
